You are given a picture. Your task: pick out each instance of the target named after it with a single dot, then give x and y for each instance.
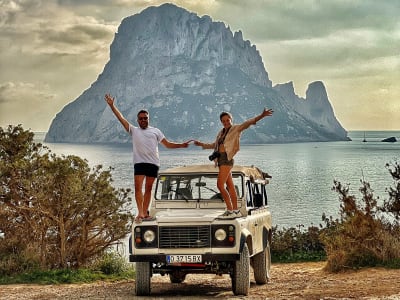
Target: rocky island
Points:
(186, 69)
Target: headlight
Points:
(223, 235)
(146, 237)
(149, 236)
(220, 234)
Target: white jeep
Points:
(187, 234)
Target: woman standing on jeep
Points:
(226, 145)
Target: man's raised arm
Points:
(110, 101)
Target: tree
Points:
(56, 208)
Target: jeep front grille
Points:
(185, 237)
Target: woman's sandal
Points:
(138, 219)
(148, 218)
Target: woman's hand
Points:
(267, 112)
(197, 143)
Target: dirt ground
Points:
(289, 281)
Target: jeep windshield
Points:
(192, 187)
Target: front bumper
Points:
(207, 257)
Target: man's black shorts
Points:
(145, 169)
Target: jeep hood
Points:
(183, 215)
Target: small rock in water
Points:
(390, 140)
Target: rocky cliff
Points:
(185, 70)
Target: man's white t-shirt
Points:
(145, 144)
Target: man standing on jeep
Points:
(146, 160)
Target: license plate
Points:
(177, 259)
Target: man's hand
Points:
(110, 100)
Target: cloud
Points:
(288, 20)
(81, 32)
(18, 92)
(48, 44)
(37, 27)
(59, 47)
(26, 103)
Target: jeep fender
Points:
(267, 237)
(246, 237)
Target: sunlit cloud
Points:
(19, 92)
(26, 103)
(59, 47)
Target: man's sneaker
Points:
(229, 214)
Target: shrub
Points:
(55, 211)
(295, 244)
(111, 263)
(366, 234)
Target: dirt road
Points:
(289, 281)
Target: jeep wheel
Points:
(241, 273)
(177, 277)
(261, 263)
(142, 287)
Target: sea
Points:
(303, 174)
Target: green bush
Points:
(57, 276)
(366, 234)
(15, 259)
(55, 211)
(111, 263)
(295, 244)
(110, 266)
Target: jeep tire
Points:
(143, 275)
(261, 263)
(241, 273)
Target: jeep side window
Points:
(249, 194)
(265, 194)
(256, 195)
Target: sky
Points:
(53, 50)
